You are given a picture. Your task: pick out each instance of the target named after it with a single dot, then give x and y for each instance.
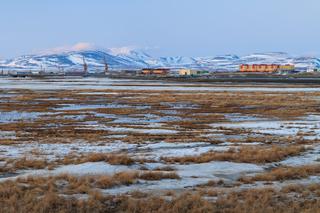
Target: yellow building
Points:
(287, 67)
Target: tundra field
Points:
(101, 145)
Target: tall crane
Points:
(106, 66)
(85, 66)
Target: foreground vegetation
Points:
(153, 139)
(37, 195)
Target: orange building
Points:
(160, 71)
(259, 68)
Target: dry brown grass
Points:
(165, 168)
(73, 158)
(248, 154)
(45, 194)
(196, 124)
(25, 163)
(214, 104)
(158, 175)
(103, 181)
(285, 173)
(114, 159)
(213, 183)
(5, 170)
(18, 198)
(8, 142)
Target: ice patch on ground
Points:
(181, 105)
(191, 175)
(7, 135)
(147, 118)
(170, 112)
(124, 129)
(13, 116)
(90, 168)
(238, 117)
(52, 151)
(311, 157)
(164, 149)
(66, 107)
(307, 124)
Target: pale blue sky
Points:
(165, 27)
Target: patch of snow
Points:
(13, 116)
(238, 117)
(311, 157)
(7, 135)
(124, 129)
(191, 175)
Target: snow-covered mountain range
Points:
(138, 59)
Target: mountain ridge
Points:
(139, 59)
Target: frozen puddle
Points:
(164, 149)
(305, 125)
(7, 135)
(129, 84)
(181, 105)
(68, 107)
(124, 129)
(98, 93)
(310, 157)
(238, 117)
(7, 95)
(227, 170)
(170, 112)
(13, 116)
(96, 168)
(52, 151)
(281, 184)
(146, 118)
(191, 175)
(85, 169)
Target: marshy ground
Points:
(99, 145)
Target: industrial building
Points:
(188, 72)
(266, 68)
(287, 67)
(313, 69)
(125, 72)
(156, 71)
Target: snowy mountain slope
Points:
(70, 59)
(139, 59)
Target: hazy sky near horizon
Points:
(162, 27)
